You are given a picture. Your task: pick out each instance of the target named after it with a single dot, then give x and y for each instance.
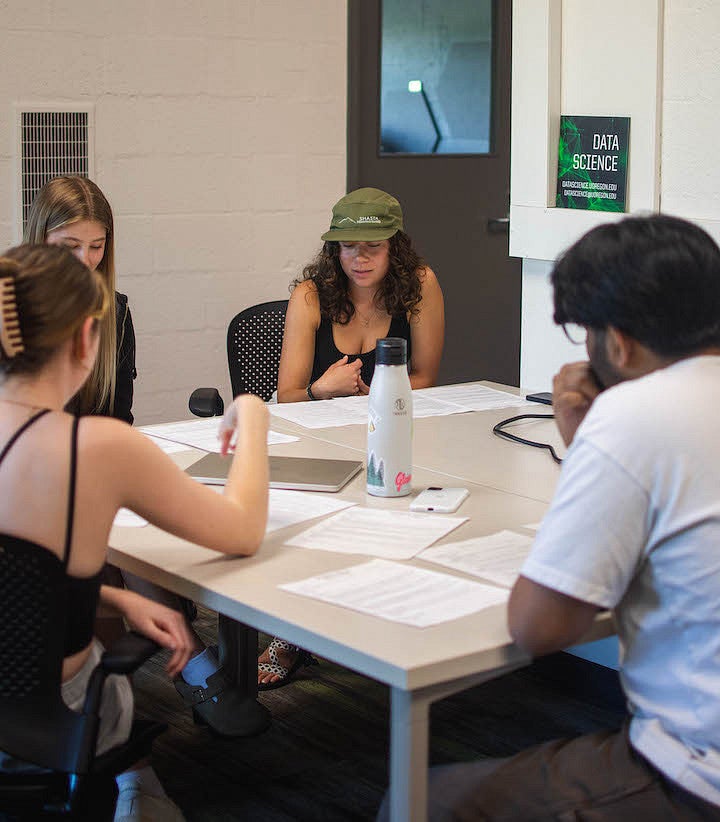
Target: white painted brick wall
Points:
(220, 143)
(691, 109)
(690, 173)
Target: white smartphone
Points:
(439, 500)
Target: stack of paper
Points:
(427, 402)
(471, 396)
(377, 533)
(497, 558)
(293, 507)
(400, 593)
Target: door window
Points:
(436, 81)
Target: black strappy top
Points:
(82, 592)
(327, 353)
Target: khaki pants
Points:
(596, 778)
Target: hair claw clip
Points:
(10, 334)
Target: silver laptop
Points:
(298, 473)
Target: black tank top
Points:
(82, 592)
(327, 353)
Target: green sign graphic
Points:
(593, 162)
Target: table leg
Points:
(410, 737)
(238, 645)
(409, 734)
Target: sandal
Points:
(276, 667)
(233, 714)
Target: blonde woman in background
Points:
(74, 213)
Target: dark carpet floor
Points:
(324, 759)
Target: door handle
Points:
(498, 225)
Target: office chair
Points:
(35, 724)
(254, 342)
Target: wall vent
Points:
(52, 143)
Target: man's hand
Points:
(574, 390)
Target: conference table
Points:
(463, 447)
(510, 486)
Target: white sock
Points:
(144, 778)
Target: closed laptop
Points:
(298, 473)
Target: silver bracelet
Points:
(309, 392)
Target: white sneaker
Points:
(135, 806)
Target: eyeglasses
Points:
(577, 334)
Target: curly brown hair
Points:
(399, 292)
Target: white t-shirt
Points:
(635, 526)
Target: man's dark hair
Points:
(655, 278)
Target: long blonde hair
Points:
(65, 200)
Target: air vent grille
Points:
(53, 143)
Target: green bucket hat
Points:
(364, 215)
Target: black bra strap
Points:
(71, 492)
(9, 444)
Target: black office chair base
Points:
(26, 797)
(46, 796)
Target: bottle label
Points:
(373, 420)
(389, 460)
(375, 471)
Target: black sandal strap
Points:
(197, 694)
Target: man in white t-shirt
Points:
(634, 527)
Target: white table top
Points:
(399, 655)
(464, 447)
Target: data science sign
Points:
(593, 162)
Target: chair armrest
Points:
(128, 653)
(206, 402)
(124, 656)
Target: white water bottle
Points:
(390, 420)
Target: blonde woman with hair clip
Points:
(51, 312)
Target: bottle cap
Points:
(391, 351)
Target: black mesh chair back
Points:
(254, 341)
(32, 630)
(36, 726)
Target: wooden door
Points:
(455, 202)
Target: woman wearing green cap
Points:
(367, 282)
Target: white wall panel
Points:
(220, 143)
